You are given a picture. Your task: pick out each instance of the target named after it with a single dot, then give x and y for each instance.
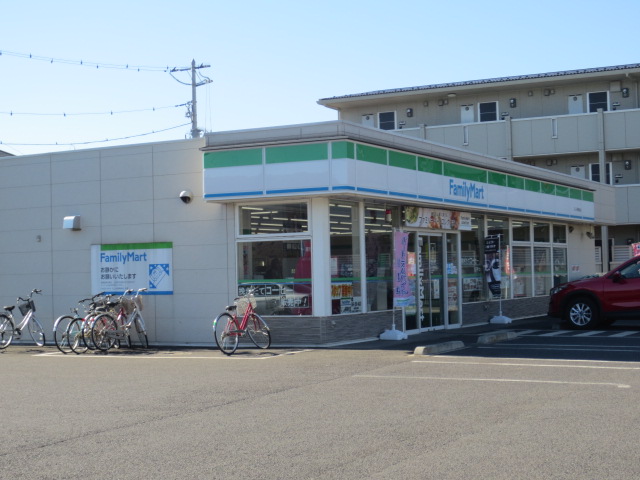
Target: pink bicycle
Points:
(239, 320)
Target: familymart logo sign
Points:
(118, 267)
(467, 191)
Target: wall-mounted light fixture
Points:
(570, 228)
(547, 92)
(625, 92)
(627, 164)
(409, 112)
(551, 162)
(513, 102)
(425, 103)
(589, 234)
(530, 93)
(71, 222)
(440, 102)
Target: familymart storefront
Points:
(334, 228)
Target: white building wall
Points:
(123, 195)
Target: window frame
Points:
(386, 122)
(590, 103)
(481, 114)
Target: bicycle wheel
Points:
(225, 331)
(141, 331)
(6, 331)
(258, 331)
(61, 333)
(85, 337)
(75, 332)
(103, 332)
(36, 331)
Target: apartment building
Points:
(584, 123)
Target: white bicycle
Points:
(8, 328)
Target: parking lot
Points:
(351, 412)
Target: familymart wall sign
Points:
(118, 267)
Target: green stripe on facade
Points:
(464, 172)
(496, 178)
(548, 188)
(515, 182)
(402, 160)
(575, 194)
(562, 191)
(371, 154)
(532, 185)
(587, 196)
(233, 158)
(343, 150)
(135, 246)
(297, 153)
(430, 165)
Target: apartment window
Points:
(387, 120)
(488, 112)
(598, 100)
(594, 172)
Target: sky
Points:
(64, 85)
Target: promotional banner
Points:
(492, 264)
(437, 219)
(401, 287)
(118, 267)
(636, 248)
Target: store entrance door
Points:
(428, 278)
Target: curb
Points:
(496, 337)
(439, 348)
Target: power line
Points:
(93, 141)
(112, 112)
(82, 63)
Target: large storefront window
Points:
(500, 227)
(280, 272)
(378, 242)
(346, 282)
(471, 261)
(273, 219)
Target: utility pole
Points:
(193, 112)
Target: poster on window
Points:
(401, 286)
(492, 264)
(119, 267)
(437, 219)
(636, 248)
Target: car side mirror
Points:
(617, 277)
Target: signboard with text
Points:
(118, 267)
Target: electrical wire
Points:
(138, 68)
(152, 109)
(93, 141)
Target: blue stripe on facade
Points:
(372, 190)
(298, 190)
(400, 194)
(233, 194)
(435, 199)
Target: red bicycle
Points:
(239, 320)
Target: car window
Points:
(631, 271)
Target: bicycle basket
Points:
(128, 305)
(242, 304)
(26, 306)
(138, 301)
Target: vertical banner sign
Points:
(401, 286)
(118, 267)
(492, 264)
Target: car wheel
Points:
(582, 314)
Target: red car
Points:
(589, 302)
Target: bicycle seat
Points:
(9, 309)
(230, 308)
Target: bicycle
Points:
(239, 320)
(106, 330)
(61, 325)
(8, 328)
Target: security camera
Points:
(186, 196)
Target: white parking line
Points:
(177, 356)
(539, 365)
(498, 380)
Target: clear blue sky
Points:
(271, 60)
